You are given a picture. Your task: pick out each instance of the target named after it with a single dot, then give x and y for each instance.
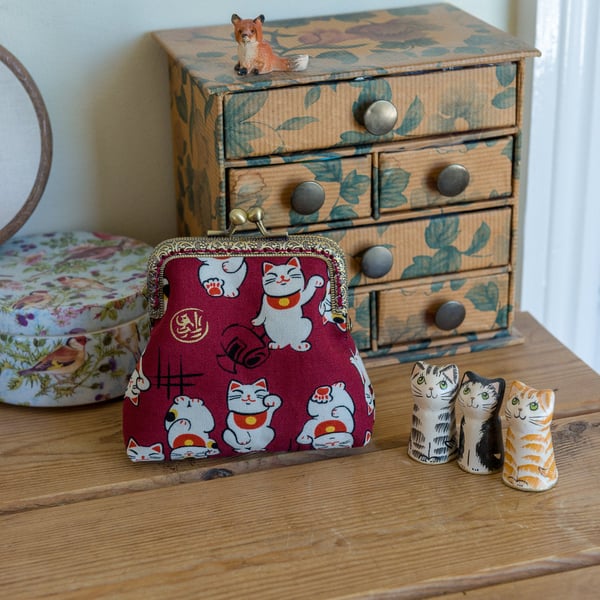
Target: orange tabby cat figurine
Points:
(529, 455)
(255, 55)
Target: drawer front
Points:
(359, 312)
(408, 314)
(445, 175)
(282, 120)
(307, 192)
(425, 247)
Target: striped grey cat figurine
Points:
(480, 447)
(433, 432)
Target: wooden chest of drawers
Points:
(400, 141)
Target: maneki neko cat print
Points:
(247, 357)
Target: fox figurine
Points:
(255, 55)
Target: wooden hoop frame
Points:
(21, 73)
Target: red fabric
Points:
(207, 368)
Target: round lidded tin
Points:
(73, 318)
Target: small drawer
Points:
(367, 111)
(306, 192)
(425, 247)
(445, 175)
(456, 307)
(359, 313)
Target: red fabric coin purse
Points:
(249, 351)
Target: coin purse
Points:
(249, 351)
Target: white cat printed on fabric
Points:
(285, 293)
(332, 410)
(325, 310)
(222, 276)
(139, 453)
(357, 361)
(137, 384)
(188, 423)
(251, 409)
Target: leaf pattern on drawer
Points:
(194, 119)
(379, 89)
(486, 297)
(353, 186)
(440, 234)
(405, 314)
(412, 118)
(359, 306)
(393, 183)
(506, 74)
(285, 120)
(408, 178)
(242, 107)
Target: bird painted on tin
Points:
(63, 360)
(34, 299)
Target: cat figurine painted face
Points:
(529, 462)
(480, 447)
(285, 293)
(332, 418)
(433, 433)
(251, 409)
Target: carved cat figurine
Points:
(285, 293)
(480, 447)
(529, 462)
(255, 55)
(251, 409)
(433, 432)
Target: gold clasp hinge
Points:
(239, 217)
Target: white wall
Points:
(104, 82)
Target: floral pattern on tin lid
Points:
(76, 281)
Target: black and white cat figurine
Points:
(480, 447)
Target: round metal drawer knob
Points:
(307, 197)
(453, 180)
(377, 262)
(380, 117)
(450, 315)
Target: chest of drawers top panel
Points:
(371, 43)
(434, 192)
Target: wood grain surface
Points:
(80, 521)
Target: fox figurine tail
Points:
(255, 55)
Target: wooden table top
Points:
(79, 520)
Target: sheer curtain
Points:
(560, 248)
